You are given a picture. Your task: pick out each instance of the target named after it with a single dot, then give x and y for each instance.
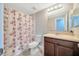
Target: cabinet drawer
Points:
(47, 39)
(64, 43)
(60, 42)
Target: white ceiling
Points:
(30, 8)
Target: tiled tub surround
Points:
(18, 30)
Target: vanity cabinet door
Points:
(48, 49)
(63, 51)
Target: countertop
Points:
(63, 37)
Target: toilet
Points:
(34, 46)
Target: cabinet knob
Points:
(78, 45)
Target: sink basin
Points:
(64, 33)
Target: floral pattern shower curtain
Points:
(18, 30)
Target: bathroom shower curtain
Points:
(18, 30)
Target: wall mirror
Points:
(71, 20)
(58, 23)
(74, 18)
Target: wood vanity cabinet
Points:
(49, 49)
(59, 47)
(63, 51)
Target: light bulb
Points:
(56, 7)
(60, 5)
(50, 9)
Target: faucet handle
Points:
(71, 31)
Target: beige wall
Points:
(51, 24)
(76, 11)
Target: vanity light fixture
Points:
(54, 8)
(60, 5)
(49, 9)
